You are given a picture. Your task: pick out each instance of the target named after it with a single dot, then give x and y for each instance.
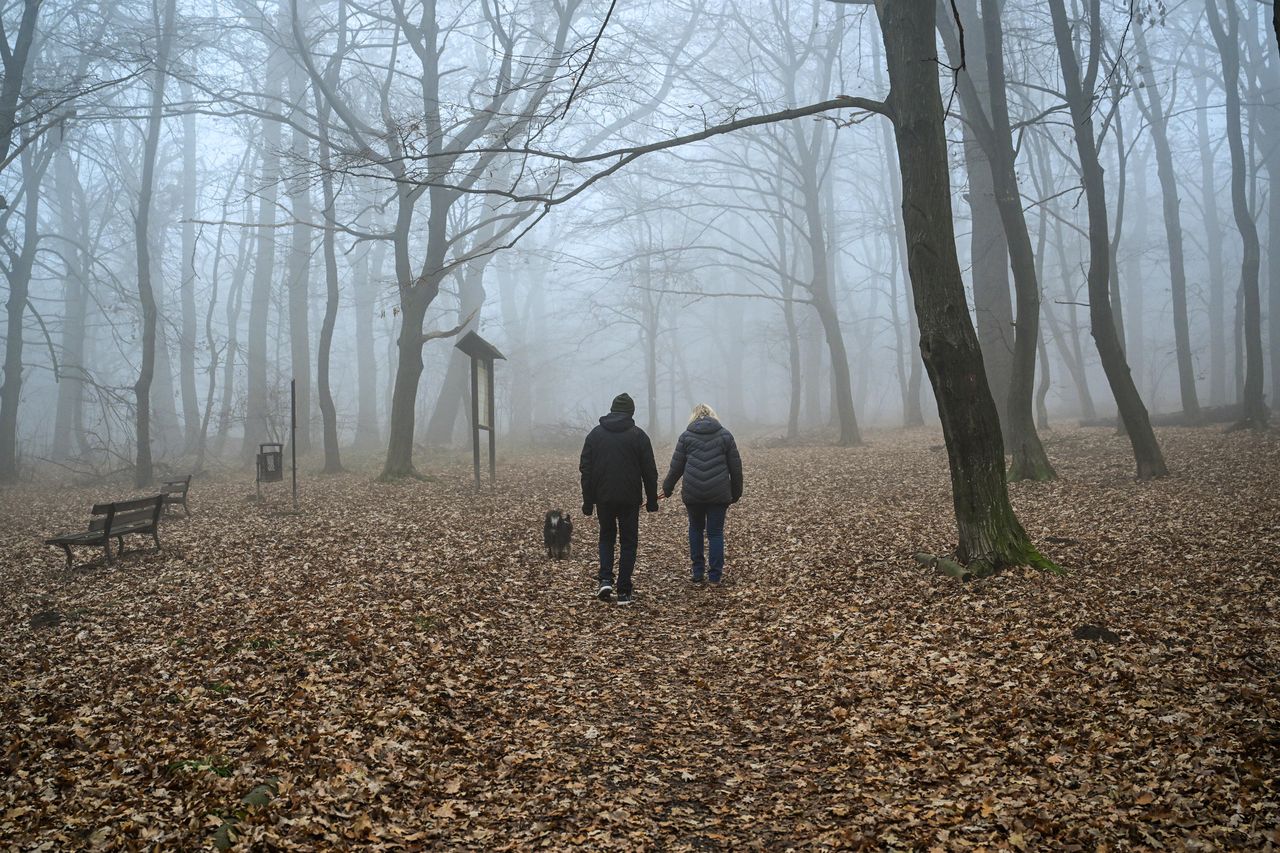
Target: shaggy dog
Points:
(557, 534)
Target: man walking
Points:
(617, 463)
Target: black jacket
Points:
(707, 456)
(617, 460)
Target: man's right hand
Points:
(586, 509)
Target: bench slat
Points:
(142, 517)
(125, 506)
(91, 537)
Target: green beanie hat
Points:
(623, 403)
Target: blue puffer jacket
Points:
(707, 456)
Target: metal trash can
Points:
(270, 463)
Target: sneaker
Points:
(697, 580)
(714, 583)
(624, 599)
(604, 592)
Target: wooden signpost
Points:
(483, 354)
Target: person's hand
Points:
(665, 494)
(652, 506)
(586, 509)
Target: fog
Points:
(204, 200)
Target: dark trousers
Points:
(707, 519)
(618, 521)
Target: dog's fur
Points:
(557, 534)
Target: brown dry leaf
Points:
(393, 646)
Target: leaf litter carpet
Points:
(399, 666)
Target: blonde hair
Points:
(702, 410)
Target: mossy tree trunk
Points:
(990, 534)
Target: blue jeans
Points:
(708, 519)
(618, 521)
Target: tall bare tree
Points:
(1080, 91)
(1226, 33)
(163, 19)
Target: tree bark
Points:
(73, 221)
(187, 345)
(821, 289)
(1153, 109)
(1014, 345)
(990, 534)
(454, 390)
(786, 267)
(235, 303)
(909, 355)
(1218, 325)
(988, 245)
(1273, 273)
(256, 416)
(142, 240)
(1228, 40)
(368, 275)
(328, 411)
(1079, 95)
(15, 58)
(299, 266)
(20, 266)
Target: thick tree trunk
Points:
(1273, 274)
(649, 328)
(794, 368)
(413, 312)
(1228, 40)
(1042, 390)
(822, 290)
(1120, 182)
(187, 345)
(215, 279)
(1155, 115)
(1066, 339)
(299, 267)
(786, 272)
(20, 265)
(256, 416)
(909, 354)
(517, 326)
(225, 353)
(1218, 325)
(366, 282)
(73, 220)
(142, 475)
(15, 69)
(416, 295)
(993, 309)
(990, 535)
(451, 402)
(328, 412)
(734, 328)
(235, 302)
(1015, 344)
(1133, 413)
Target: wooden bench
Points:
(175, 494)
(114, 521)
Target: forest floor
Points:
(399, 665)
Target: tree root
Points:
(983, 567)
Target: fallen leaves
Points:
(399, 666)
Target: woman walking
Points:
(707, 457)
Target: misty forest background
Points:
(987, 290)
(211, 198)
